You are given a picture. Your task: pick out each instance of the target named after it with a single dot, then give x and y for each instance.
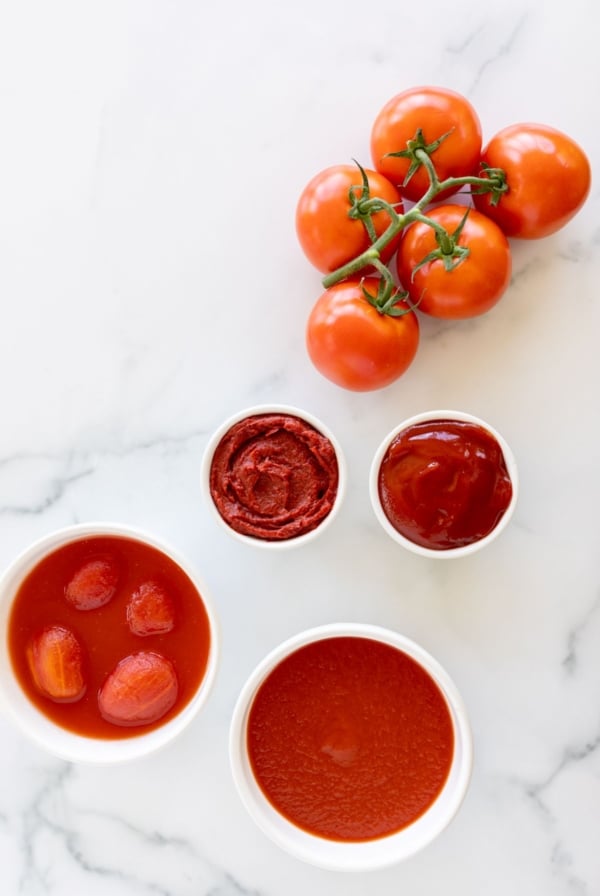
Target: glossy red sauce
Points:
(444, 483)
(274, 477)
(350, 739)
(170, 657)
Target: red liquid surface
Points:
(350, 739)
(104, 633)
(444, 483)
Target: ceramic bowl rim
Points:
(352, 856)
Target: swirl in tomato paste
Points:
(444, 483)
(274, 476)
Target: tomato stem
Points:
(444, 240)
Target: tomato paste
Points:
(274, 476)
(108, 637)
(444, 483)
(350, 739)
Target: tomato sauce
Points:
(274, 477)
(444, 483)
(102, 636)
(350, 739)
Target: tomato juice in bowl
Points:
(110, 643)
(350, 747)
(444, 484)
(273, 476)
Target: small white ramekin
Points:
(365, 855)
(277, 544)
(41, 729)
(450, 553)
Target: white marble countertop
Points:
(151, 285)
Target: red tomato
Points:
(548, 177)
(355, 346)
(475, 284)
(150, 610)
(328, 237)
(435, 110)
(56, 662)
(140, 690)
(93, 584)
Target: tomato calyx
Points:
(448, 251)
(387, 298)
(361, 206)
(414, 152)
(496, 187)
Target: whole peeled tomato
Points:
(93, 584)
(356, 346)
(150, 610)
(141, 689)
(56, 662)
(476, 283)
(548, 177)
(328, 236)
(435, 111)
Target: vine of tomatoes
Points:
(393, 244)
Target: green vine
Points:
(363, 206)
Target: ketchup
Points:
(444, 483)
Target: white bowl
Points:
(363, 855)
(465, 550)
(40, 728)
(281, 544)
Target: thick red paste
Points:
(444, 483)
(350, 739)
(90, 667)
(274, 476)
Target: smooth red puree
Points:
(274, 476)
(444, 483)
(108, 637)
(350, 739)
